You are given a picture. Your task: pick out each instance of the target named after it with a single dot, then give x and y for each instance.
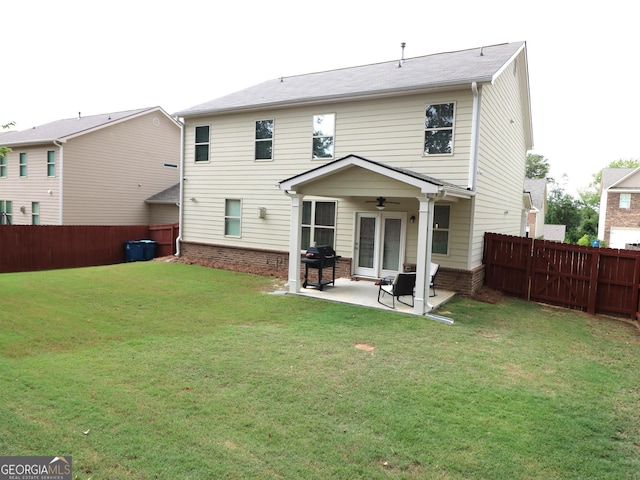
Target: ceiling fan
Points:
(381, 202)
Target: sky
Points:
(61, 57)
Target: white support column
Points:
(423, 263)
(295, 239)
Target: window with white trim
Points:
(323, 135)
(318, 223)
(625, 200)
(35, 213)
(438, 128)
(3, 166)
(440, 241)
(202, 143)
(23, 164)
(51, 163)
(264, 139)
(232, 217)
(6, 211)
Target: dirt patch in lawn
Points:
(488, 295)
(365, 346)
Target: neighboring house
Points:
(403, 162)
(537, 188)
(94, 170)
(619, 221)
(165, 206)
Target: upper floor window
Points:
(51, 163)
(202, 144)
(35, 213)
(23, 164)
(264, 139)
(625, 200)
(232, 217)
(438, 128)
(3, 166)
(318, 223)
(6, 210)
(323, 135)
(440, 242)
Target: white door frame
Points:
(376, 271)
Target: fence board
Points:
(507, 263)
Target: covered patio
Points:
(365, 293)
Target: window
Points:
(202, 144)
(23, 164)
(6, 209)
(441, 215)
(323, 131)
(232, 212)
(438, 129)
(35, 213)
(625, 200)
(3, 166)
(318, 223)
(264, 139)
(51, 163)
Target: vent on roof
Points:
(402, 45)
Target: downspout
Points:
(60, 176)
(181, 195)
(475, 133)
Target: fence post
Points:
(593, 282)
(636, 287)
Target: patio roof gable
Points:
(426, 185)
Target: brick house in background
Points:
(619, 222)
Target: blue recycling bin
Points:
(148, 249)
(133, 251)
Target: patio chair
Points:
(432, 277)
(403, 285)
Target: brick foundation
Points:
(275, 263)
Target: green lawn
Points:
(153, 370)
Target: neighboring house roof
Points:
(612, 176)
(537, 188)
(168, 196)
(555, 233)
(443, 70)
(63, 130)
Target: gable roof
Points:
(537, 188)
(63, 130)
(438, 71)
(426, 184)
(614, 177)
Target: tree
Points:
(538, 167)
(563, 209)
(5, 150)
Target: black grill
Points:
(319, 258)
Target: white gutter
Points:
(475, 134)
(60, 184)
(181, 196)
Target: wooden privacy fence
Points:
(595, 280)
(46, 247)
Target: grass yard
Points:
(153, 370)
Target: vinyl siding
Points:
(387, 130)
(109, 173)
(501, 162)
(35, 187)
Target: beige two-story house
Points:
(92, 170)
(619, 220)
(395, 165)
